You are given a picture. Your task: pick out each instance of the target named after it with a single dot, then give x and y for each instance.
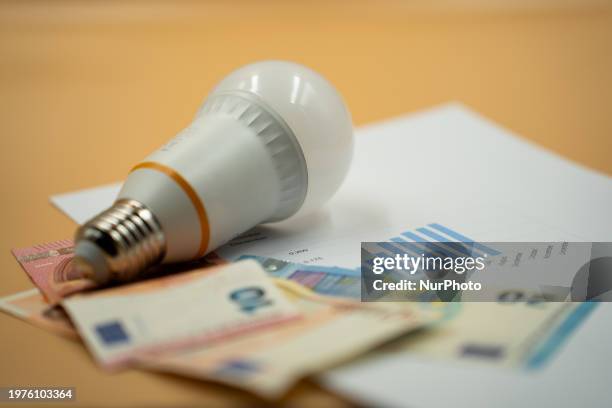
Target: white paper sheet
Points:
(578, 377)
(82, 205)
(449, 166)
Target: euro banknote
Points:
(269, 362)
(50, 266)
(177, 311)
(31, 306)
(522, 334)
(510, 335)
(324, 280)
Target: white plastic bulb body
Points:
(273, 139)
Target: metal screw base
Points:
(130, 237)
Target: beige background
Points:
(88, 89)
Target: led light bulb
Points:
(273, 139)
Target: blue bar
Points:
(554, 342)
(463, 238)
(394, 249)
(415, 249)
(413, 237)
(419, 239)
(444, 240)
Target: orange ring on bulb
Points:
(193, 197)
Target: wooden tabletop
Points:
(88, 89)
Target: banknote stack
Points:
(232, 323)
(262, 324)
